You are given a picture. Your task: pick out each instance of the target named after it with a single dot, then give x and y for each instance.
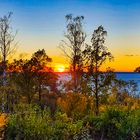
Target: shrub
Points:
(112, 121)
(30, 122)
(75, 105)
(131, 126)
(108, 124)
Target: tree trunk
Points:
(39, 93)
(7, 102)
(97, 105)
(96, 91)
(29, 100)
(74, 76)
(96, 98)
(4, 84)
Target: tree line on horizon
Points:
(26, 83)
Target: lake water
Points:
(126, 76)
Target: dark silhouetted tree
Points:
(95, 55)
(7, 38)
(33, 75)
(137, 70)
(43, 72)
(6, 44)
(24, 77)
(73, 47)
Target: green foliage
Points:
(29, 122)
(76, 106)
(115, 124)
(112, 122)
(131, 126)
(108, 125)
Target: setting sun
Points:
(59, 68)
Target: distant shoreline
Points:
(119, 72)
(126, 72)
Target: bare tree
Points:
(73, 48)
(6, 43)
(6, 38)
(95, 55)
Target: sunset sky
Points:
(41, 24)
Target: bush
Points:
(75, 105)
(30, 122)
(107, 125)
(131, 126)
(111, 124)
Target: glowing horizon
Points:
(41, 24)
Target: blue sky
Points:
(41, 24)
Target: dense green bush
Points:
(115, 124)
(131, 126)
(30, 122)
(107, 125)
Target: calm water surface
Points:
(126, 76)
